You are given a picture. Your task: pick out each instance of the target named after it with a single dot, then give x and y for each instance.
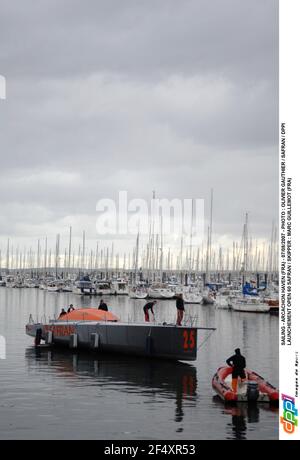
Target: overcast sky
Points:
(177, 96)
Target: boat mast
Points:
(246, 244)
(38, 258)
(17, 257)
(101, 259)
(83, 251)
(191, 237)
(70, 248)
(124, 262)
(136, 258)
(45, 256)
(161, 247)
(244, 268)
(57, 255)
(112, 257)
(210, 229)
(157, 253)
(271, 249)
(151, 239)
(209, 238)
(50, 259)
(97, 257)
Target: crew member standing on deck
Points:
(180, 309)
(238, 363)
(62, 313)
(102, 306)
(147, 307)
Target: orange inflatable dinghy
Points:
(264, 391)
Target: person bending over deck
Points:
(71, 308)
(102, 306)
(62, 313)
(238, 363)
(180, 309)
(147, 307)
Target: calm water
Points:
(50, 394)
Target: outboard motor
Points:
(252, 391)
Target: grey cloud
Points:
(137, 95)
(140, 37)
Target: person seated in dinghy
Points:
(103, 306)
(71, 308)
(238, 363)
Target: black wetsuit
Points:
(103, 306)
(238, 363)
(180, 304)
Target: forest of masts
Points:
(153, 256)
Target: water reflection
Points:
(173, 381)
(242, 414)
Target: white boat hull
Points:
(138, 294)
(192, 298)
(161, 294)
(100, 291)
(250, 307)
(83, 291)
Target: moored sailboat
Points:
(138, 292)
(102, 331)
(160, 291)
(249, 304)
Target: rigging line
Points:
(201, 344)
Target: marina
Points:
(228, 302)
(142, 283)
(52, 393)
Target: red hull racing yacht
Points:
(103, 331)
(254, 389)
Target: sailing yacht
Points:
(84, 286)
(53, 286)
(19, 282)
(138, 292)
(161, 291)
(67, 286)
(192, 295)
(103, 287)
(250, 304)
(119, 287)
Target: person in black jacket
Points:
(102, 306)
(71, 308)
(238, 363)
(147, 307)
(180, 309)
(62, 313)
